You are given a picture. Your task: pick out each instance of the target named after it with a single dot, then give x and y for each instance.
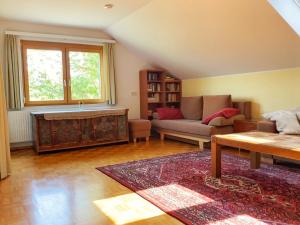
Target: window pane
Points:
(45, 75)
(85, 75)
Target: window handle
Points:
(65, 83)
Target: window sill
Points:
(63, 107)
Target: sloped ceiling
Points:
(80, 13)
(190, 38)
(197, 38)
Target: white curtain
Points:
(109, 72)
(4, 138)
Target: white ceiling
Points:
(190, 38)
(81, 13)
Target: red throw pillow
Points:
(169, 113)
(226, 112)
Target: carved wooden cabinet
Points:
(57, 134)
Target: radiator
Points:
(19, 126)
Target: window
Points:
(290, 11)
(58, 73)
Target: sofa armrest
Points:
(267, 126)
(221, 121)
(244, 107)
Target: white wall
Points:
(127, 70)
(127, 64)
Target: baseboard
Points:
(21, 146)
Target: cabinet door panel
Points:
(105, 128)
(66, 132)
(87, 127)
(44, 132)
(122, 127)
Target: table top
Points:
(255, 138)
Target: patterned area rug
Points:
(181, 185)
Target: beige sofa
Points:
(194, 109)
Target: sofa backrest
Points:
(244, 107)
(192, 107)
(214, 103)
(199, 107)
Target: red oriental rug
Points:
(181, 186)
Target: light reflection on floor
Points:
(127, 208)
(243, 219)
(130, 208)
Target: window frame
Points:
(65, 48)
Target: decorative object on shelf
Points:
(158, 89)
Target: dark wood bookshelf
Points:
(158, 89)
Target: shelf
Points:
(156, 86)
(164, 91)
(154, 81)
(172, 81)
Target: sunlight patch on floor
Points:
(182, 197)
(127, 208)
(240, 219)
(130, 208)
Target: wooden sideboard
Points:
(57, 134)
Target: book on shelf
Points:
(154, 87)
(172, 87)
(153, 97)
(153, 76)
(171, 97)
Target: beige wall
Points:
(268, 91)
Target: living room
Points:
(149, 112)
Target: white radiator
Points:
(19, 126)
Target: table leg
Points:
(255, 160)
(215, 158)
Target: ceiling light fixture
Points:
(108, 6)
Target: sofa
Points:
(194, 109)
(270, 126)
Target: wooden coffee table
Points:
(286, 146)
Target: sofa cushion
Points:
(226, 113)
(139, 124)
(214, 103)
(169, 113)
(191, 107)
(286, 121)
(222, 121)
(184, 126)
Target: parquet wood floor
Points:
(65, 189)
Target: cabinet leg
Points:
(134, 140)
(147, 139)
